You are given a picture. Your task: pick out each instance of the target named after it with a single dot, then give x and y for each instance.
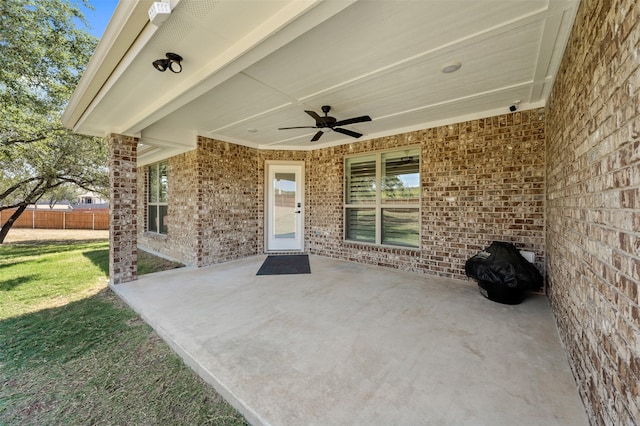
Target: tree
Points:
(65, 192)
(43, 54)
(33, 171)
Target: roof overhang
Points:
(253, 66)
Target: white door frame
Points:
(296, 242)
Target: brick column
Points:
(123, 255)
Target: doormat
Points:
(285, 264)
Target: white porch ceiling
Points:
(253, 66)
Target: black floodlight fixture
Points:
(172, 62)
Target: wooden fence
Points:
(57, 219)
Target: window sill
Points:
(155, 235)
(383, 247)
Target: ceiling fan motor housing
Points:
(326, 122)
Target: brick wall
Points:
(123, 255)
(482, 180)
(213, 210)
(228, 215)
(593, 207)
(180, 241)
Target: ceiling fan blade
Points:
(353, 120)
(314, 115)
(299, 127)
(317, 136)
(347, 132)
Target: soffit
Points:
(251, 67)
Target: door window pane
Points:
(284, 208)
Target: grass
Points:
(73, 353)
(148, 263)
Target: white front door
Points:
(285, 206)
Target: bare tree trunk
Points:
(9, 223)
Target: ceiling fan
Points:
(331, 123)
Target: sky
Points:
(99, 17)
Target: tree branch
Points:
(13, 188)
(17, 141)
(13, 206)
(35, 138)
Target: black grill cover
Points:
(502, 264)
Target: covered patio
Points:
(357, 344)
(506, 121)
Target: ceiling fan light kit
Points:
(327, 124)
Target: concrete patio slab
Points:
(352, 344)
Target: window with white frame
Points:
(157, 206)
(382, 198)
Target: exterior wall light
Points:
(172, 62)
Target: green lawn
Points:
(73, 353)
